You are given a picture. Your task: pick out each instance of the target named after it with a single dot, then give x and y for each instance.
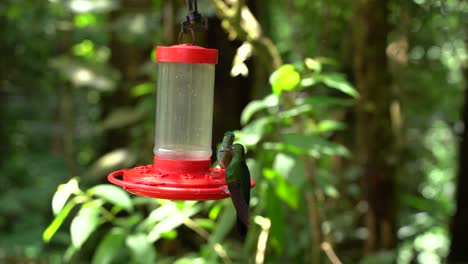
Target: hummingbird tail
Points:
(242, 228)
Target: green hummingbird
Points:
(238, 182)
(224, 152)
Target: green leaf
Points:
(331, 191)
(285, 78)
(269, 173)
(55, 225)
(252, 108)
(328, 61)
(324, 101)
(63, 193)
(128, 222)
(224, 224)
(192, 260)
(285, 191)
(143, 89)
(337, 81)
(315, 146)
(205, 223)
(171, 235)
(158, 215)
(258, 105)
(113, 194)
(141, 248)
(110, 247)
(290, 167)
(312, 64)
(296, 111)
(85, 222)
(330, 125)
(85, 20)
(214, 212)
(253, 132)
(271, 100)
(162, 212)
(114, 160)
(122, 117)
(309, 81)
(255, 169)
(173, 221)
(276, 213)
(283, 164)
(86, 49)
(288, 193)
(69, 252)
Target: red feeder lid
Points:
(175, 180)
(186, 53)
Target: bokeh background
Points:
(351, 112)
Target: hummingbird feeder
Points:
(181, 168)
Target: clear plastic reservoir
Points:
(184, 110)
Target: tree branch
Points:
(327, 248)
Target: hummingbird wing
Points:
(244, 179)
(238, 180)
(242, 208)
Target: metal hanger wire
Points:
(194, 21)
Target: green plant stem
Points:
(309, 169)
(314, 217)
(106, 214)
(262, 242)
(328, 249)
(219, 249)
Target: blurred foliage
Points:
(64, 94)
(290, 132)
(132, 234)
(278, 170)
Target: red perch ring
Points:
(174, 180)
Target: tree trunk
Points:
(230, 97)
(375, 146)
(127, 59)
(459, 246)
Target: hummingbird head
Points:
(229, 134)
(229, 137)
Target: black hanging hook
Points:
(194, 21)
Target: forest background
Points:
(352, 113)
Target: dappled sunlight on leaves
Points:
(285, 78)
(98, 6)
(119, 158)
(238, 64)
(122, 117)
(82, 74)
(77, 102)
(64, 191)
(85, 223)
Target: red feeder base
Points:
(175, 180)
